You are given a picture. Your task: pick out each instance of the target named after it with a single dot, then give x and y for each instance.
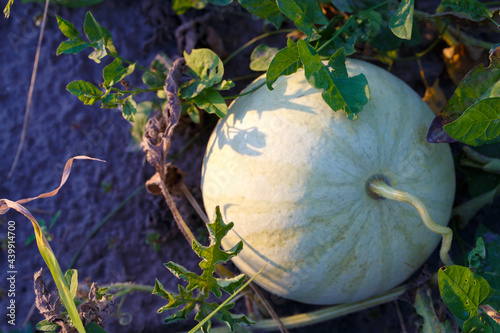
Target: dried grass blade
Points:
(52, 263)
(44, 246)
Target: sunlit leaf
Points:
(401, 23)
(462, 291)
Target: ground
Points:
(61, 126)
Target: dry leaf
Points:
(435, 98)
(459, 60)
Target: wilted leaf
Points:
(425, 308)
(435, 97)
(458, 62)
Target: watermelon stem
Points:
(379, 187)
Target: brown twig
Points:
(30, 92)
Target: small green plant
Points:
(201, 91)
(195, 295)
(154, 239)
(472, 292)
(45, 229)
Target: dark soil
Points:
(61, 126)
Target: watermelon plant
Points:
(310, 160)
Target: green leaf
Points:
(473, 87)
(425, 308)
(94, 328)
(159, 290)
(401, 23)
(72, 47)
(477, 324)
(490, 266)
(115, 72)
(266, 9)
(67, 28)
(304, 13)
(108, 41)
(477, 254)
(99, 51)
(144, 109)
(480, 123)
(192, 110)
(207, 69)
(213, 255)
(211, 101)
(474, 8)
(285, 62)
(340, 93)
(337, 64)
(261, 57)
(182, 6)
(46, 326)
(129, 109)
(462, 291)
(86, 91)
(220, 2)
(467, 210)
(6, 10)
(92, 29)
(71, 277)
(225, 85)
(366, 26)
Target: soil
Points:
(61, 126)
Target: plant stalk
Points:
(382, 189)
(323, 315)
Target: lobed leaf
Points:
(285, 62)
(304, 13)
(340, 93)
(401, 23)
(462, 291)
(266, 9)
